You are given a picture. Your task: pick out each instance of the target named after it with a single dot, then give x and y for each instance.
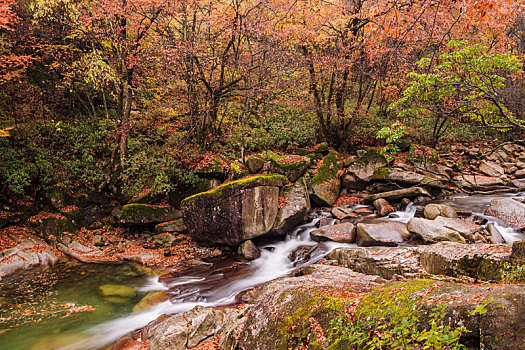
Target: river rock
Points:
(248, 250)
(383, 208)
(29, 252)
(326, 184)
(430, 231)
(234, 212)
(466, 229)
(478, 182)
(340, 233)
(187, 330)
(84, 252)
(382, 234)
(432, 211)
(294, 204)
(147, 214)
(490, 168)
(508, 210)
(397, 194)
(364, 167)
(342, 213)
(495, 235)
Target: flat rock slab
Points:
(340, 233)
(387, 234)
(479, 182)
(398, 194)
(431, 231)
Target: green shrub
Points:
(393, 136)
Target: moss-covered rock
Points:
(294, 204)
(291, 166)
(234, 212)
(364, 167)
(326, 183)
(147, 214)
(171, 226)
(255, 163)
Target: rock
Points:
(405, 202)
(383, 208)
(304, 253)
(352, 182)
(171, 226)
(164, 240)
(117, 290)
(29, 252)
(255, 163)
(202, 185)
(147, 214)
(294, 204)
(249, 251)
(142, 257)
(508, 210)
(214, 168)
(495, 235)
(491, 168)
(421, 154)
(234, 212)
(342, 213)
(520, 174)
(397, 175)
(86, 253)
(465, 228)
(187, 330)
(340, 233)
(520, 165)
(430, 231)
(292, 308)
(326, 184)
(396, 194)
(381, 234)
(432, 211)
(364, 167)
(478, 182)
(291, 166)
(469, 261)
(151, 299)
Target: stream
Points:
(72, 288)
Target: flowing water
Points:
(215, 282)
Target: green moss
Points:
(146, 213)
(261, 180)
(381, 173)
(331, 165)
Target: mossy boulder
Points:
(255, 163)
(147, 214)
(326, 184)
(364, 167)
(294, 204)
(202, 185)
(418, 154)
(234, 212)
(53, 226)
(291, 166)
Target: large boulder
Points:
(234, 212)
(364, 167)
(291, 166)
(326, 184)
(405, 177)
(147, 214)
(294, 204)
(508, 210)
(382, 234)
(255, 163)
(430, 231)
(340, 233)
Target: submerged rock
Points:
(234, 212)
(117, 290)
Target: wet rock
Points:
(364, 211)
(432, 211)
(189, 329)
(397, 194)
(294, 204)
(495, 235)
(255, 163)
(249, 251)
(491, 168)
(147, 214)
(324, 222)
(404, 203)
(326, 184)
(430, 231)
(234, 212)
(383, 208)
(82, 252)
(117, 290)
(341, 233)
(342, 213)
(171, 226)
(520, 174)
(381, 234)
(304, 253)
(29, 252)
(508, 210)
(466, 229)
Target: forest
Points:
(300, 174)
